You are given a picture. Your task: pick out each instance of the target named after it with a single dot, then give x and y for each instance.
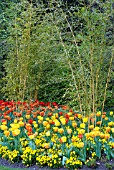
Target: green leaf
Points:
(64, 160)
(32, 145)
(112, 153)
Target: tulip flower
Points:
(6, 133)
(16, 132)
(63, 139)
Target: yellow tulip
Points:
(74, 124)
(31, 137)
(61, 130)
(16, 132)
(48, 126)
(102, 135)
(45, 123)
(87, 135)
(21, 123)
(21, 118)
(55, 129)
(47, 118)
(81, 131)
(63, 139)
(111, 113)
(85, 119)
(82, 125)
(71, 118)
(98, 114)
(70, 113)
(110, 123)
(108, 129)
(40, 118)
(50, 121)
(107, 136)
(112, 129)
(35, 125)
(48, 133)
(96, 128)
(106, 118)
(3, 127)
(57, 123)
(91, 127)
(79, 116)
(15, 120)
(34, 122)
(80, 145)
(27, 116)
(97, 133)
(14, 126)
(63, 121)
(69, 131)
(6, 133)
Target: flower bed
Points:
(48, 134)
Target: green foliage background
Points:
(57, 51)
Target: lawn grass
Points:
(7, 168)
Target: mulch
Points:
(100, 166)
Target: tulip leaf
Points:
(3, 143)
(64, 160)
(98, 147)
(68, 151)
(112, 153)
(32, 145)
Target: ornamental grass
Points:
(48, 134)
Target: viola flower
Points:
(46, 145)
